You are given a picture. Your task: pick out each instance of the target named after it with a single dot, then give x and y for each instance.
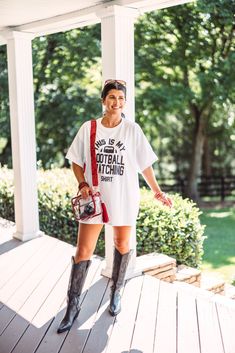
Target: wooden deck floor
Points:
(156, 316)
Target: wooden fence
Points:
(215, 186)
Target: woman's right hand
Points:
(85, 191)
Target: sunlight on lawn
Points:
(226, 272)
(219, 247)
(220, 215)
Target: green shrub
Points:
(6, 194)
(176, 232)
(55, 189)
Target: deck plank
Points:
(38, 327)
(102, 327)
(226, 316)
(39, 270)
(188, 335)
(19, 256)
(79, 333)
(45, 316)
(210, 336)
(6, 244)
(165, 336)
(21, 273)
(53, 342)
(156, 316)
(143, 337)
(27, 301)
(8, 312)
(121, 334)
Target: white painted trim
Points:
(20, 74)
(18, 35)
(117, 38)
(115, 10)
(61, 23)
(151, 5)
(162, 5)
(28, 236)
(87, 16)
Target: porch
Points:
(156, 316)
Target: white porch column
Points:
(117, 43)
(117, 37)
(20, 77)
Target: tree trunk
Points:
(201, 117)
(206, 161)
(196, 162)
(51, 45)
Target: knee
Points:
(122, 246)
(83, 253)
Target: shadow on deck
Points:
(156, 316)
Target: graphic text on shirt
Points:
(110, 158)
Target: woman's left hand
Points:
(163, 198)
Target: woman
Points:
(122, 151)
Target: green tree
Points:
(185, 59)
(67, 80)
(184, 85)
(5, 141)
(67, 83)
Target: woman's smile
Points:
(114, 101)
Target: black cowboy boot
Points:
(76, 282)
(120, 263)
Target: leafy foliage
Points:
(64, 93)
(5, 141)
(6, 194)
(176, 232)
(184, 57)
(184, 73)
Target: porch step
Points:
(160, 266)
(189, 275)
(212, 283)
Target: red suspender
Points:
(93, 154)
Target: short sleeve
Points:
(145, 155)
(76, 152)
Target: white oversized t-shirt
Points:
(121, 152)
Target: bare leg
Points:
(122, 238)
(88, 235)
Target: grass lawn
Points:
(219, 247)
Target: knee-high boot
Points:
(76, 282)
(120, 263)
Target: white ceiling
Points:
(40, 17)
(18, 12)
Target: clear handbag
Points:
(84, 209)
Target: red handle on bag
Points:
(94, 167)
(93, 155)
